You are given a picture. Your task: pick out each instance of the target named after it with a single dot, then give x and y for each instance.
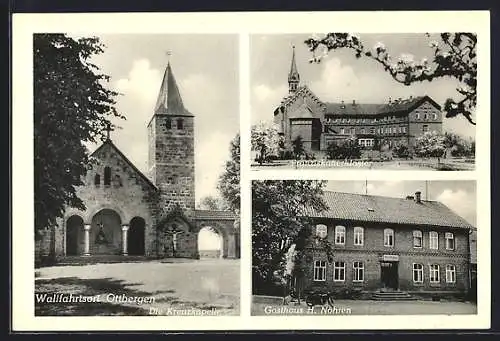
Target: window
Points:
(417, 116)
(362, 130)
(107, 176)
(372, 130)
(434, 273)
(418, 273)
(425, 128)
(451, 276)
(359, 272)
(342, 131)
(97, 180)
(434, 116)
(358, 236)
(321, 231)
(168, 123)
(339, 235)
(450, 241)
(353, 131)
(404, 129)
(320, 270)
(180, 124)
(389, 237)
(417, 238)
(339, 271)
(433, 240)
(425, 116)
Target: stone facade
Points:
(128, 213)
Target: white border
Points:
(24, 25)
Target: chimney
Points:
(417, 197)
(390, 100)
(353, 102)
(410, 197)
(342, 105)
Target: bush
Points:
(401, 151)
(348, 149)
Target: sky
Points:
(206, 69)
(340, 76)
(459, 196)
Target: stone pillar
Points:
(125, 228)
(86, 237)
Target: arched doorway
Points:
(105, 233)
(210, 243)
(74, 228)
(136, 237)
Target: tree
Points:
(72, 107)
(430, 144)
(265, 141)
(457, 145)
(298, 147)
(401, 150)
(347, 149)
(278, 221)
(229, 181)
(212, 203)
(453, 56)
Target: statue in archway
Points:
(101, 237)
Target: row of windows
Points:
(417, 116)
(340, 233)
(179, 121)
(426, 116)
(381, 131)
(358, 272)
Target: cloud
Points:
(336, 82)
(264, 99)
(142, 83)
(461, 202)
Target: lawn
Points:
(155, 287)
(365, 307)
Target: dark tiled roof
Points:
(372, 109)
(118, 151)
(214, 215)
(372, 208)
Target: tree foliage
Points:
(347, 149)
(453, 56)
(430, 144)
(278, 221)
(265, 141)
(72, 106)
(229, 181)
(213, 203)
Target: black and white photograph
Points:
(136, 191)
(370, 101)
(364, 247)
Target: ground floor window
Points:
(366, 142)
(339, 271)
(320, 270)
(359, 272)
(418, 273)
(450, 274)
(434, 273)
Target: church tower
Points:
(171, 149)
(293, 76)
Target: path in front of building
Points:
(189, 287)
(358, 307)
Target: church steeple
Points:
(293, 76)
(169, 97)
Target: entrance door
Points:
(74, 226)
(389, 275)
(136, 237)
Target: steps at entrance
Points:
(95, 259)
(392, 296)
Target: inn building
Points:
(382, 244)
(319, 124)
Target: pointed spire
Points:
(293, 67)
(293, 76)
(169, 98)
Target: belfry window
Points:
(180, 124)
(168, 123)
(97, 180)
(107, 176)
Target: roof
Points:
(169, 97)
(374, 109)
(118, 151)
(294, 73)
(380, 209)
(214, 215)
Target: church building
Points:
(319, 124)
(131, 213)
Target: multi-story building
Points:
(318, 123)
(388, 244)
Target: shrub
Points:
(401, 151)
